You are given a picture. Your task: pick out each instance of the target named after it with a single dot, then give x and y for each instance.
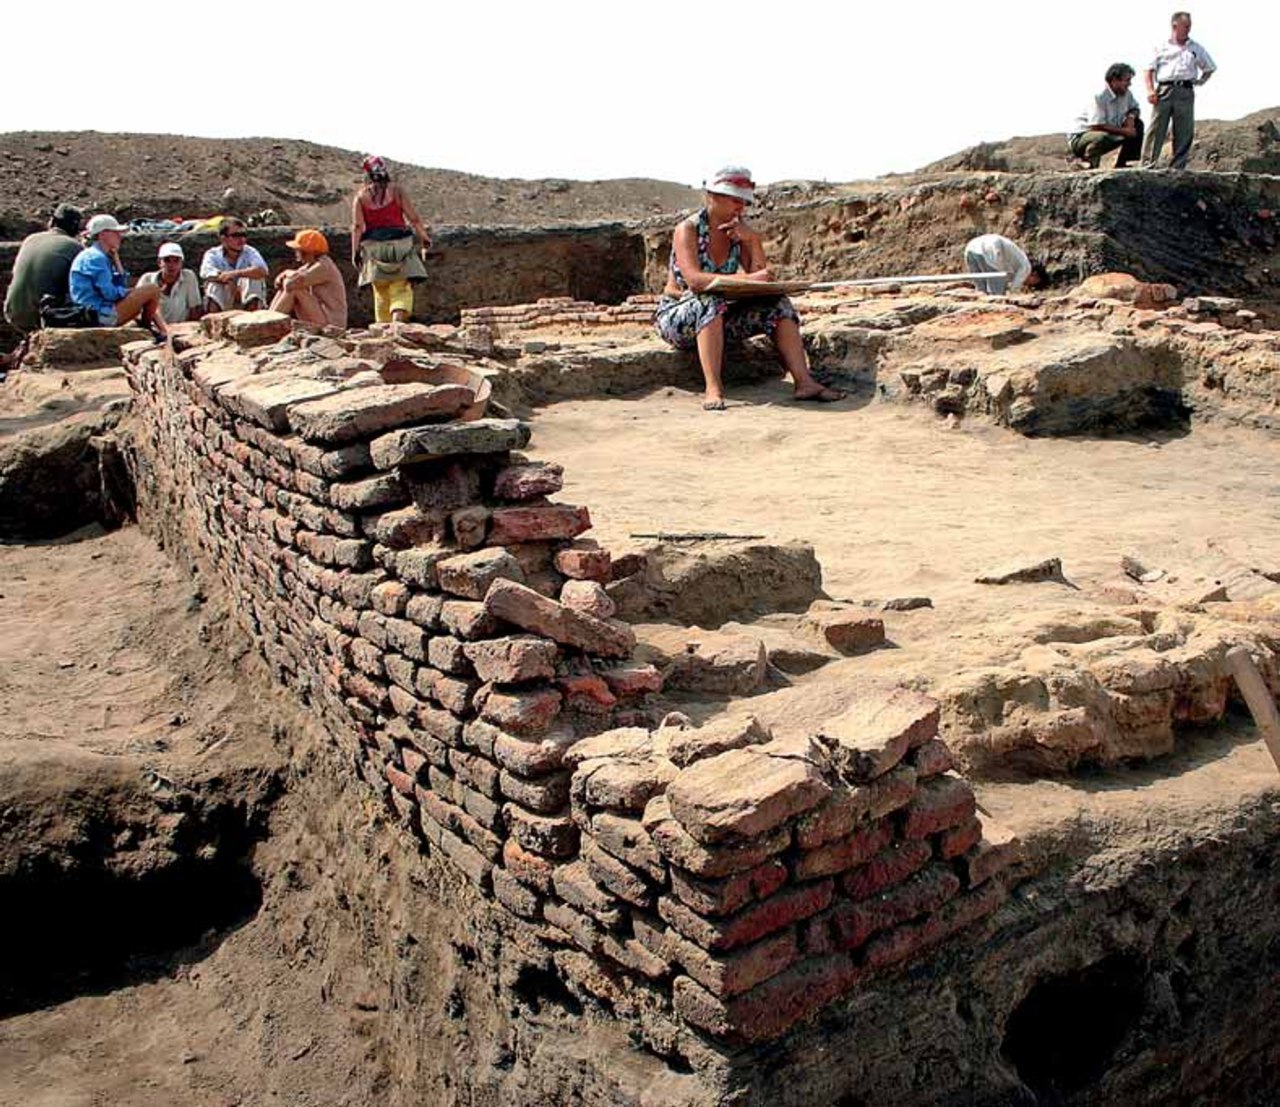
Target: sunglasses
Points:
(235, 234)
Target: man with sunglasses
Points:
(234, 273)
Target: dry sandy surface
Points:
(899, 503)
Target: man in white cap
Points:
(180, 300)
(99, 281)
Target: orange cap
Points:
(309, 241)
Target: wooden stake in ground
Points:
(1258, 696)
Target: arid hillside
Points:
(1248, 145)
(163, 176)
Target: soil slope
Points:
(1248, 145)
(163, 176)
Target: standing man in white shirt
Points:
(1179, 65)
(1112, 119)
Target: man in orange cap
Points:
(314, 292)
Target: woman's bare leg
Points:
(711, 358)
(790, 346)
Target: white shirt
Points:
(1003, 255)
(1188, 62)
(177, 302)
(1106, 108)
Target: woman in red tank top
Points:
(382, 218)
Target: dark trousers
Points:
(1092, 145)
(1176, 104)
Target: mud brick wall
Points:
(405, 573)
(560, 311)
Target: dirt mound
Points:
(1248, 145)
(162, 176)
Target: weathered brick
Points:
(427, 443)
(528, 714)
(728, 974)
(476, 772)
(773, 914)
(529, 868)
(362, 412)
(681, 848)
(959, 839)
(574, 885)
(448, 654)
(454, 694)
(532, 756)
(586, 692)
(730, 894)
(547, 794)
(469, 575)
(582, 929)
(470, 526)
(849, 924)
(390, 597)
(933, 758)
(998, 849)
(875, 734)
(403, 528)
(425, 610)
(844, 853)
(537, 524)
(911, 939)
(401, 670)
(940, 803)
(617, 877)
(539, 615)
(513, 660)
(744, 793)
(382, 490)
(583, 562)
(851, 807)
(515, 896)
(627, 840)
(441, 725)
(620, 785)
(468, 619)
(771, 1008)
(547, 835)
(891, 865)
(528, 481)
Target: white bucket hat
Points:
(100, 223)
(732, 180)
(171, 250)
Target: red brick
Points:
(531, 757)
(528, 481)
(933, 758)
(527, 714)
(940, 803)
(537, 524)
(905, 942)
(844, 853)
(469, 575)
(724, 897)
(513, 660)
(849, 924)
(573, 884)
(528, 868)
(754, 922)
(401, 781)
(960, 839)
(891, 866)
(537, 614)
(771, 1008)
(618, 878)
(728, 974)
(547, 794)
(586, 692)
(633, 680)
(585, 563)
(547, 835)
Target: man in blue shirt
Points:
(100, 283)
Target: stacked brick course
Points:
(559, 311)
(403, 570)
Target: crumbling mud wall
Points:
(403, 571)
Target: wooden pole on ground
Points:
(1258, 697)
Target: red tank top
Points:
(390, 215)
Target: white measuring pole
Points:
(923, 279)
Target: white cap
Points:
(170, 250)
(732, 180)
(100, 223)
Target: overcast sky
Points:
(563, 88)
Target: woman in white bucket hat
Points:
(712, 243)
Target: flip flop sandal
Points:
(714, 405)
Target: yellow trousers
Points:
(389, 296)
